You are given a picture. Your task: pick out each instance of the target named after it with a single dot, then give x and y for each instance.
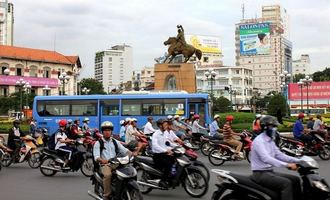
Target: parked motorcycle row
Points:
(138, 175)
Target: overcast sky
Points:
(82, 27)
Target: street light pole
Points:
(285, 77)
(212, 74)
(307, 81)
(64, 78)
(21, 83)
(300, 84)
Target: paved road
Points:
(21, 182)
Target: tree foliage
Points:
(322, 75)
(221, 104)
(12, 102)
(297, 77)
(277, 102)
(95, 86)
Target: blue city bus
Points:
(48, 110)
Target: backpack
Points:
(96, 164)
(51, 142)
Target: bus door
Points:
(196, 106)
(109, 111)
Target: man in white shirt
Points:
(61, 141)
(319, 128)
(162, 151)
(148, 129)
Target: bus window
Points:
(131, 107)
(110, 107)
(53, 108)
(152, 107)
(83, 108)
(174, 106)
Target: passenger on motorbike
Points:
(229, 136)
(256, 126)
(299, 132)
(215, 131)
(33, 127)
(76, 130)
(102, 156)
(265, 155)
(163, 155)
(122, 130)
(170, 134)
(68, 128)
(179, 128)
(148, 129)
(85, 126)
(132, 135)
(14, 134)
(196, 127)
(62, 141)
(318, 127)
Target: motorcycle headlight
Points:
(321, 186)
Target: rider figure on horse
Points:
(181, 42)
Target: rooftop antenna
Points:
(55, 42)
(243, 10)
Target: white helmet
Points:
(183, 118)
(169, 117)
(128, 119)
(133, 120)
(258, 116)
(121, 122)
(176, 116)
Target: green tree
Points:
(322, 75)
(221, 104)
(297, 77)
(277, 102)
(95, 86)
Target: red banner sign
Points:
(34, 81)
(316, 91)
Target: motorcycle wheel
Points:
(133, 195)
(200, 183)
(34, 160)
(324, 153)
(6, 160)
(50, 163)
(215, 157)
(205, 148)
(87, 167)
(204, 169)
(143, 176)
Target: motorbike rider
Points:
(102, 156)
(170, 134)
(256, 126)
(163, 155)
(75, 129)
(131, 137)
(33, 127)
(215, 131)
(148, 129)
(68, 128)
(15, 133)
(299, 132)
(178, 127)
(265, 155)
(122, 130)
(318, 127)
(85, 126)
(196, 128)
(62, 141)
(228, 135)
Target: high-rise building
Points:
(301, 66)
(114, 66)
(262, 45)
(6, 23)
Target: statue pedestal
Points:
(175, 76)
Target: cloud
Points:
(83, 27)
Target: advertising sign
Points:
(34, 81)
(207, 44)
(254, 39)
(316, 91)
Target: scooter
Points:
(192, 178)
(241, 187)
(123, 181)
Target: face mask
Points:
(271, 132)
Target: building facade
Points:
(114, 66)
(262, 45)
(238, 79)
(302, 66)
(40, 68)
(6, 23)
(144, 77)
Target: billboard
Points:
(254, 39)
(316, 91)
(207, 44)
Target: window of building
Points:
(110, 59)
(34, 71)
(237, 71)
(19, 72)
(46, 73)
(206, 59)
(4, 91)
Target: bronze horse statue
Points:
(187, 50)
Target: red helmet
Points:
(62, 122)
(301, 115)
(229, 118)
(196, 116)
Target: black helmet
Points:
(161, 122)
(16, 121)
(268, 121)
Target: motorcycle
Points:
(208, 143)
(191, 177)
(234, 186)
(223, 152)
(123, 181)
(26, 152)
(53, 162)
(291, 146)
